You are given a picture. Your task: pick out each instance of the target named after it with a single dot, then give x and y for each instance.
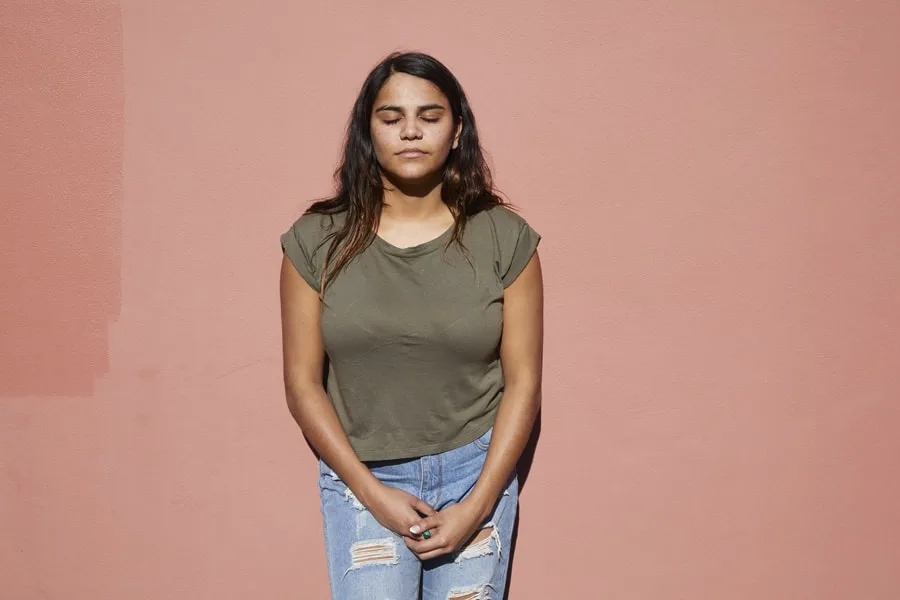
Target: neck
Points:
(412, 201)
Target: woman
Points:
(425, 293)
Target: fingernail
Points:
(415, 529)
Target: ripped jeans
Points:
(368, 562)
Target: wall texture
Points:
(717, 185)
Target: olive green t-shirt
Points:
(413, 334)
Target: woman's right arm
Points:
(304, 354)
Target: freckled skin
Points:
(431, 130)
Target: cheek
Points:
(444, 143)
(445, 137)
(380, 141)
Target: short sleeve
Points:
(517, 243)
(303, 245)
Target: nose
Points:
(411, 130)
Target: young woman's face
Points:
(412, 128)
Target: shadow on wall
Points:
(523, 469)
(61, 136)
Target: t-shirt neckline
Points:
(418, 249)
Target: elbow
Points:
(297, 395)
(293, 399)
(526, 393)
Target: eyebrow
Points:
(391, 107)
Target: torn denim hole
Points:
(350, 497)
(368, 553)
(483, 546)
(480, 592)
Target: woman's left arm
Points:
(521, 355)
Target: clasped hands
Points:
(448, 530)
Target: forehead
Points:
(407, 90)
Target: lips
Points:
(411, 153)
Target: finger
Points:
(426, 524)
(422, 507)
(433, 553)
(420, 546)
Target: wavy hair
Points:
(467, 187)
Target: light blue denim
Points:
(368, 562)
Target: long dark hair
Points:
(467, 188)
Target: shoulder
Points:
(501, 223)
(307, 241)
(502, 218)
(312, 229)
(512, 240)
(313, 232)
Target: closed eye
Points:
(397, 120)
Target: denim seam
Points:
(421, 479)
(440, 485)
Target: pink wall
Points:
(717, 186)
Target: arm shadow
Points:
(523, 469)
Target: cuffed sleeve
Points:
(304, 246)
(526, 243)
(516, 242)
